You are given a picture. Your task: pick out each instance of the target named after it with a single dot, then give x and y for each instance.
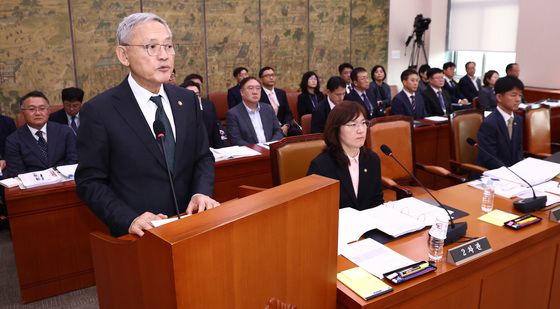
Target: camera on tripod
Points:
(421, 24)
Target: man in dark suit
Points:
(39, 144)
(252, 122)
(336, 89)
(470, 85)
(436, 100)
(234, 93)
(361, 93)
(122, 174)
(345, 70)
(7, 127)
(450, 85)
(501, 133)
(72, 99)
(276, 98)
(409, 101)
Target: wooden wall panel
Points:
(369, 32)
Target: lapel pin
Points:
(365, 170)
(180, 103)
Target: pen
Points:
(412, 270)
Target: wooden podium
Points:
(280, 243)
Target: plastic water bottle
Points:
(488, 196)
(437, 235)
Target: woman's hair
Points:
(487, 77)
(305, 78)
(341, 114)
(375, 69)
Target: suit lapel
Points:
(346, 184)
(246, 120)
(180, 120)
(31, 142)
(266, 124)
(53, 139)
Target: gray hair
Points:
(127, 25)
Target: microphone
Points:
(524, 205)
(455, 230)
(159, 130)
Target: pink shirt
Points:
(354, 169)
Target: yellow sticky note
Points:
(497, 217)
(363, 283)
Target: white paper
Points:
(40, 178)
(487, 113)
(266, 144)
(550, 198)
(157, 223)
(436, 118)
(503, 188)
(549, 186)
(233, 152)
(10, 182)
(374, 257)
(352, 224)
(534, 171)
(67, 171)
(551, 103)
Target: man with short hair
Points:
(252, 121)
(336, 89)
(72, 99)
(513, 70)
(423, 83)
(470, 85)
(450, 85)
(436, 99)
(123, 171)
(501, 133)
(409, 101)
(234, 93)
(345, 70)
(276, 97)
(39, 144)
(362, 94)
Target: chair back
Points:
(292, 102)
(306, 124)
(52, 109)
(475, 103)
(395, 132)
(220, 102)
(291, 156)
(537, 128)
(464, 124)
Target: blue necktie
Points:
(169, 140)
(43, 146)
(368, 104)
(441, 102)
(73, 125)
(413, 103)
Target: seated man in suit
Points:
(436, 100)
(216, 134)
(72, 99)
(470, 85)
(513, 69)
(450, 85)
(7, 127)
(409, 101)
(361, 93)
(277, 99)
(252, 122)
(501, 133)
(344, 70)
(39, 144)
(234, 93)
(423, 83)
(336, 89)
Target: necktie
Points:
(413, 103)
(314, 101)
(42, 146)
(441, 102)
(73, 125)
(169, 140)
(367, 103)
(273, 102)
(510, 126)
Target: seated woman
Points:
(487, 96)
(345, 158)
(379, 87)
(310, 95)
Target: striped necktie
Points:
(43, 146)
(169, 140)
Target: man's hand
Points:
(463, 101)
(2, 164)
(142, 222)
(201, 202)
(284, 129)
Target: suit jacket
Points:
(432, 104)
(240, 128)
(401, 105)
(23, 154)
(369, 186)
(493, 137)
(284, 114)
(122, 171)
(354, 96)
(213, 126)
(380, 92)
(487, 99)
(319, 116)
(453, 91)
(305, 105)
(234, 96)
(7, 127)
(468, 89)
(59, 117)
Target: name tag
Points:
(469, 251)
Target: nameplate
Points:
(555, 214)
(469, 251)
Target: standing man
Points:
(72, 99)
(344, 70)
(470, 85)
(436, 99)
(409, 101)
(276, 98)
(234, 93)
(361, 93)
(122, 174)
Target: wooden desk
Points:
(523, 271)
(431, 146)
(534, 94)
(50, 228)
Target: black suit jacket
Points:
(493, 137)
(453, 91)
(213, 126)
(122, 171)
(240, 128)
(487, 99)
(401, 105)
(468, 89)
(382, 93)
(354, 96)
(369, 186)
(234, 96)
(7, 127)
(284, 113)
(305, 105)
(23, 154)
(319, 116)
(59, 117)
(432, 104)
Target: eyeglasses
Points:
(355, 126)
(153, 49)
(41, 109)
